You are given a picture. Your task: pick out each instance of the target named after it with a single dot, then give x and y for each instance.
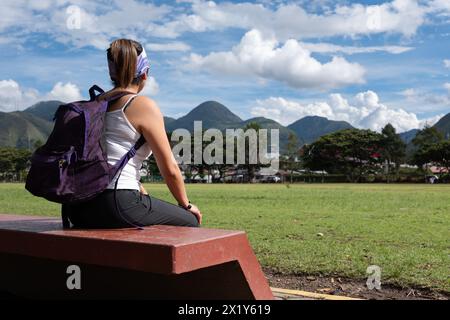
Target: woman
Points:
(127, 118)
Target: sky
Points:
(366, 62)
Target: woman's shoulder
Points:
(145, 102)
(145, 105)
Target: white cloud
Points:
(441, 7)
(408, 93)
(64, 92)
(332, 48)
(286, 112)
(40, 4)
(13, 97)
(151, 87)
(172, 46)
(289, 63)
(100, 21)
(104, 20)
(363, 111)
(421, 100)
(293, 21)
(447, 63)
(447, 86)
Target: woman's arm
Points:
(148, 120)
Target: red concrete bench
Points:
(160, 262)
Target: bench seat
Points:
(159, 262)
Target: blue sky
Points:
(366, 62)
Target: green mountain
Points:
(47, 109)
(212, 114)
(271, 124)
(443, 125)
(22, 130)
(44, 109)
(168, 121)
(408, 136)
(216, 115)
(313, 127)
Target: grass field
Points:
(404, 229)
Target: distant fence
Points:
(305, 178)
(371, 178)
(13, 176)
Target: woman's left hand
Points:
(142, 190)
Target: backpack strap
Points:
(117, 169)
(124, 160)
(92, 90)
(113, 95)
(65, 216)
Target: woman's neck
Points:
(133, 89)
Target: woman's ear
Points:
(142, 82)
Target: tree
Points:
(438, 153)
(6, 160)
(151, 167)
(290, 162)
(14, 161)
(394, 149)
(423, 141)
(353, 152)
(441, 154)
(251, 167)
(224, 166)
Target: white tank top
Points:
(119, 137)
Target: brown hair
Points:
(123, 54)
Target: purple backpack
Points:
(72, 166)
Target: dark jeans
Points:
(135, 209)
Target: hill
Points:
(311, 128)
(408, 136)
(44, 109)
(443, 125)
(212, 114)
(22, 130)
(271, 124)
(216, 115)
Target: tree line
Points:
(356, 153)
(14, 164)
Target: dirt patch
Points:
(349, 287)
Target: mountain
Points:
(44, 109)
(168, 121)
(271, 124)
(22, 130)
(212, 114)
(408, 136)
(215, 115)
(311, 128)
(443, 126)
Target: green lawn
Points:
(404, 229)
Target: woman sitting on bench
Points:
(127, 118)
